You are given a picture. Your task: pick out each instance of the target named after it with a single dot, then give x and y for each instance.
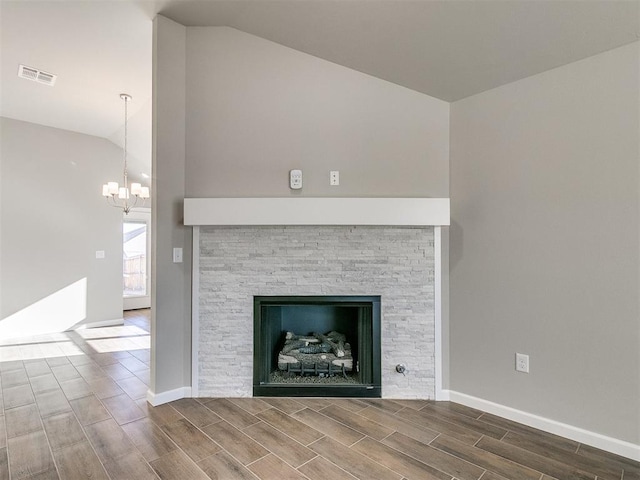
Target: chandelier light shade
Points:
(126, 196)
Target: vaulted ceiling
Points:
(448, 49)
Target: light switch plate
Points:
(177, 255)
(99, 254)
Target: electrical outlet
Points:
(334, 177)
(522, 363)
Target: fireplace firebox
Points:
(317, 346)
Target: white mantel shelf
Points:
(317, 211)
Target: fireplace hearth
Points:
(317, 346)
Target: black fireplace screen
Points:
(317, 346)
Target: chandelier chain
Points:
(126, 116)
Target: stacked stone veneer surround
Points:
(237, 263)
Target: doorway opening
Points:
(136, 261)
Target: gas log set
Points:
(317, 354)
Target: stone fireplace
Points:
(236, 264)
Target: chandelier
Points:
(124, 197)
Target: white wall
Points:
(545, 244)
(53, 219)
(256, 110)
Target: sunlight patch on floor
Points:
(10, 353)
(106, 332)
(118, 344)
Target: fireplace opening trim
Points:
(362, 326)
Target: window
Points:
(134, 259)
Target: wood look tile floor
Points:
(72, 406)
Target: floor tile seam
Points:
(363, 435)
(484, 473)
(440, 451)
(269, 452)
(407, 423)
(580, 467)
(6, 439)
(562, 464)
(453, 424)
(102, 463)
(46, 436)
(223, 418)
(389, 401)
(455, 421)
(315, 441)
(374, 405)
(460, 413)
(237, 406)
(485, 451)
(26, 433)
(213, 455)
(328, 460)
(177, 447)
(367, 419)
(535, 433)
(132, 370)
(121, 378)
(159, 425)
(308, 461)
(622, 463)
(276, 429)
(201, 430)
(40, 374)
(279, 457)
(273, 454)
(9, 387)
(86, 438)
(258, 398)
(3, 385)
(285, 433)
(289, 413)
(33, 394)
(387, 467)
(354, 428)
(428, 429)
(541, 441)
(8, 462)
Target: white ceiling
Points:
(448, 49)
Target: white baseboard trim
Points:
(116, 322)
(603, 442)
(442, 395)
(156, 399)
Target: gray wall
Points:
(544, 244)
(54, 219)
(256, 110)
(233, 113)
(171, 286)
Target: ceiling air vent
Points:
(36, 75)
